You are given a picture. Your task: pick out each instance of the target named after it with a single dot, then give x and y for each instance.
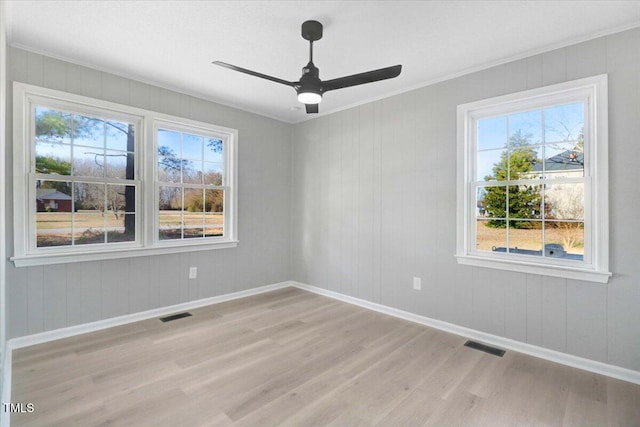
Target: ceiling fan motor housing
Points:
(310, 80)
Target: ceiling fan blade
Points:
(362, 78)
(311, 108)
(254, 73)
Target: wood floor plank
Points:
(623, 404)
(582, 411)
(293, 358)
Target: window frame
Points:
(26, 253)
(32, 176)
(594, 267)
(227, 179)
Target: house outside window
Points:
(532, 181)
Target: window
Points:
(84, 178)
(532, 181)
(96, 180)
(191, 183)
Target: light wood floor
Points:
(293, 358)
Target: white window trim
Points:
(596, 267)
(229, 179)
(147, 243)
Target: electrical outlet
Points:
(417, 283)
(193, 272)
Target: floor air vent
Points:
(485, 348)
(174, 317)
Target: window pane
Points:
(116, 164)
(89, 228)
(52, 125)
(53, 196)
(213, 173)
(214, 201)
(118, 133)
(170, 215)
(491, 165)
(194, 213)
(88, 131)
(193, 225)
(192, 173)
(168, 143)
(492, 133)
(191, 146)
(564, 201)
(53, 158)
(525, 201)
(523, 161)
(88, 162)
(481, 206)
(214, 224)
(525, 237)
(170, 198)
(526, 128)
(490, 236)
(563, 159)
(189, 169)
(213, 150)
(169, 169)
(53, 229)
(121, 198)
(494, 200)
(120, 227)
(214, 212)
(564, 123)
(89, 197)
(54, 206)
(564, 239)
(193, 200)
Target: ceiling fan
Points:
(310, 88)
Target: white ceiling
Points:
(172, 43)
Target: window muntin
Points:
(545, 209)
(192, 180)
(76, 172)
(85, 180)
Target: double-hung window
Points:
(96, 180)
(191, 182)
(532, 181)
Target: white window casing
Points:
(594, 265)
(26, 252)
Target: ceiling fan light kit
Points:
(310, 88)
(310, 97)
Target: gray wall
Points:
(50, 297)
(374, 204)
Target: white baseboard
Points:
(70, 331)
(495, 340)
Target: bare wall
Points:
(374, 204)
(50, 297)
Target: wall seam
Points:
(292, 146)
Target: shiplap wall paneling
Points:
(413, 183)
(51, 297)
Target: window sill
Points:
(65, 258)
(533, 268)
